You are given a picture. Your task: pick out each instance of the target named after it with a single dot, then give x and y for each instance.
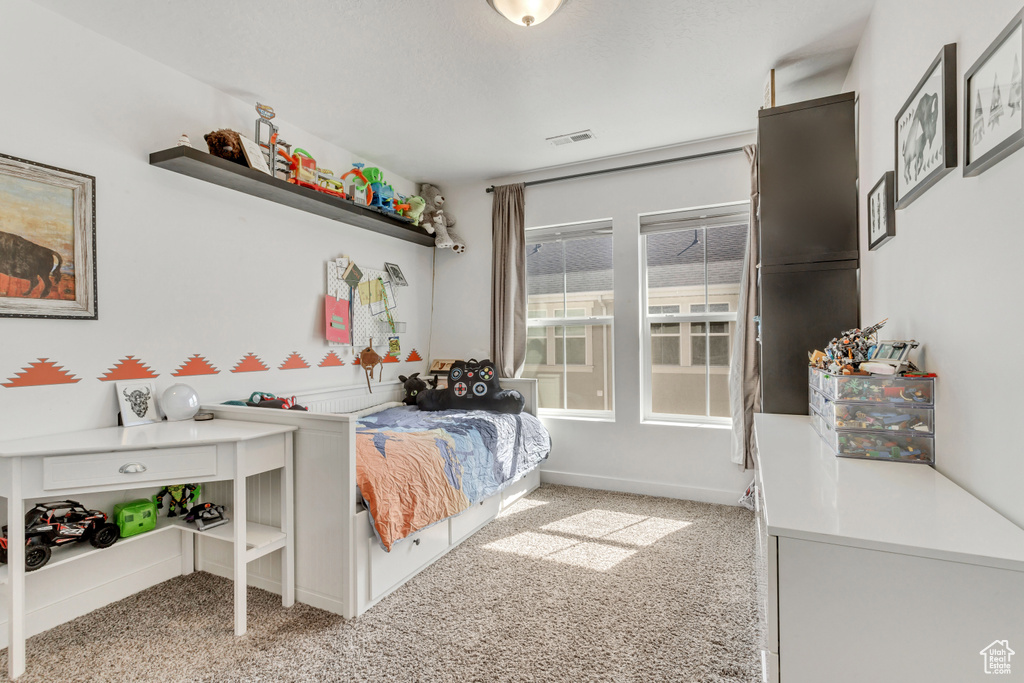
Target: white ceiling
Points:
(449, 90)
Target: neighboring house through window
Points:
(569, 315)
(692, 263)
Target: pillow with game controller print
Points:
(472, 385)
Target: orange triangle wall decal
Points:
(390, 359)
(250, 363)
(355, 361)
(128, 368)
(39, 373)
(413, 357)
(294, 362)
(196, 365)
(331, 360)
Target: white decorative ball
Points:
(180, 402)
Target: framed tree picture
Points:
(993, 111)
(47, 241)
(881, 212)
(926, 130)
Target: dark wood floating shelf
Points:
(204, 166)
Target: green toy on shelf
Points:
(135, 517)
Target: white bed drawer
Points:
(475, 517)
(128, 467)
(405, 559)
(520, 488)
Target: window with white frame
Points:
(569, 315)
(692, 262)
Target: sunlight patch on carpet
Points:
(522, 505)
(619, 527)
(597, 556)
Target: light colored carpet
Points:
(568, 585)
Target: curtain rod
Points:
(633, 167)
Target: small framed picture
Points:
(881, 212)
(926, 130)
(993, 111)
(396, 274)
(138, 402)
(254, 155)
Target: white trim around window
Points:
(707, 218)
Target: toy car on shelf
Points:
(58, 523)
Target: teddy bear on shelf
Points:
(437, 222)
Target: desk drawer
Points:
(164, 465)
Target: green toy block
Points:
(135, 517)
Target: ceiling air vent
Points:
(569, 138)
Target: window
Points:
(570, 307)
(692, 262)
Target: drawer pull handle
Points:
(415, 541)
(132, 468)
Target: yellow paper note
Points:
(370, 292)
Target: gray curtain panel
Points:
(744, 369)
(508, 280)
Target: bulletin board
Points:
(367, 320)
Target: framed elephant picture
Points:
(926, 135)
(47, 241)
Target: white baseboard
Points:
(646, 488)
(312, 598)
(74, 606)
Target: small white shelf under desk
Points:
(55, 467)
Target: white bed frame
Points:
(339, 566)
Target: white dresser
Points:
(880, 571)
(149, 456)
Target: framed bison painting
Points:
(926, 130)
(47, 241)
(993, 106)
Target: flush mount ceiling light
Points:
(525, 12)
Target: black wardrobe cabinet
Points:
(809, 276)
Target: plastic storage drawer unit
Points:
(879, 417)
(897, 446)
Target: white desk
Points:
(55, 467)
(878, 571)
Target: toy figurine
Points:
(183, 141)
(845, 353)
(368, 358)
(181, 495)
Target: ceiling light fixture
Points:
(525, 12)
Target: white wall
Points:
(672, 460)
(185, 267)
(951, 276)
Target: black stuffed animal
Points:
(472, 385)
(414, 386)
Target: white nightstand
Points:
(147, 456)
